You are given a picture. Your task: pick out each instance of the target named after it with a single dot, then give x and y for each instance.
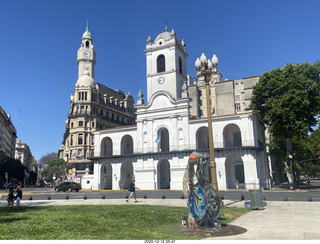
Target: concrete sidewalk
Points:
(161, 202)
(279, 220)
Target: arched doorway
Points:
(126, 174)
(232, 136)
(126, 145)
(163, 174)
(106, 147)
(163, 140)
(234, 171)
(239, 172)
(202, 138)
(106, 176)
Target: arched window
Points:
(87, 43)
(126, 145)
(161, 63)
(163, 140)
(180, 65)
(202, 138)
(106, 147)
(232, 136)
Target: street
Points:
(275, 194)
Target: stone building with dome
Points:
(93, 107)
(172, 123)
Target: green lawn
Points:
(102, 222)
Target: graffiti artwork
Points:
(202, 199)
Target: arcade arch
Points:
(106, 176)
(234, 171)
(126, 174)
(163, 174)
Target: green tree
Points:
(16, 171)
(311, 164)
(55, 166)
(44, 162)
(288, 100)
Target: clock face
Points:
(87, 53)
(161, 80)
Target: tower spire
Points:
(87, 34)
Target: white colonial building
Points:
(171, 125)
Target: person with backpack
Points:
(132, 189)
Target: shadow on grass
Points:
(6, 212)
(10, 220)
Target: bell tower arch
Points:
(166, 64)
(86, 56)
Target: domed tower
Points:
(93, 107)
(80, 125)
(166, 64)
(86, 57)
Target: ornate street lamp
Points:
(209, 68)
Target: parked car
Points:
(303, 182)
(68, 186)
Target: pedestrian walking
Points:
(119, 184)
(132, 189)
(19, 197)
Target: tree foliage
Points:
(55, 166)
(45, 159)
(288, 100)
(16, 171)
(49, 164)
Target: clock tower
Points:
(86, 57)
(166, 64)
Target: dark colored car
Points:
(68, 186)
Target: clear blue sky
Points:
(40, 39)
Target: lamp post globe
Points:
(203, 58)
(214, 59)
(198, 63)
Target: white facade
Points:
(124, 153)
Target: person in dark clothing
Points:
(132, 189)
(10, 195)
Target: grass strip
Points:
(99, 222)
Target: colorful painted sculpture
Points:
(202, 199)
